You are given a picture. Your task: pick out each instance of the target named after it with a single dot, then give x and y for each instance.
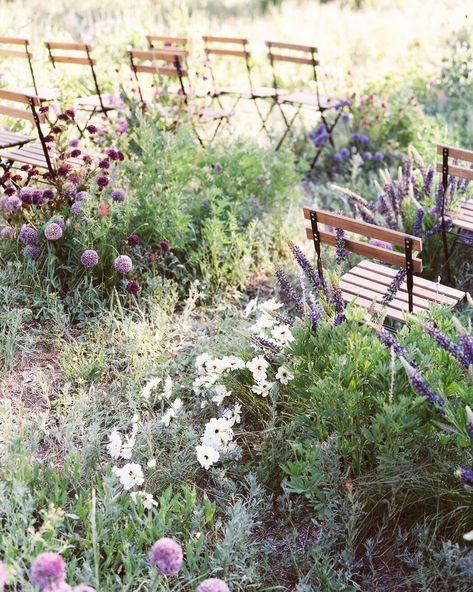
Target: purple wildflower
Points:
(469, 421)
(48, 194)
(345, 117)
(421, 387)
(102, 181)
(356, 136)
(122, 126)
(284, 320)
(447, 344)
(76, 208)
(8, 232)
(378, 156)
(465, 475)
(133, 240)
(166, 554)
(438, 228)
(345, 152)
(266, 343)
(337, 299)
(367, 156)
(123, 264)
(118, 195)
(53, 231)
(26, 195)
(389, 341)
(337, 157)
(28, 235)
(307, 267)
(365, 214)
(32, 251)
(133, 287)
(394, 286)
(213, 585)
(418, 221)
(47, 569)
(340, 246)
(428, 182)
(288, 289)
(92, 129)
(10, 203)
(81, 195)
(316, 313)
(89, 258)
(466, 342)
(74, 143)
(61, 587)
(165, 246)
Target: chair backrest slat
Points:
(167, 39)
(458, 153)
(73, 60)
(457, 171)
(84, 47)
(293, 59)
(17, 112)
(15, 53)
(227, 52)
(162, 55)
(232, 40)
(161, 70)
(387, 235)
(291, 46)
(14, 41)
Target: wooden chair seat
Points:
(258, 92)
(464, 217)
(368, 282)
(45, 94)
(211, 114)
(309, 99)
(9, 139)
(33, 155)
(92, 102)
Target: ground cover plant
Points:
(186, 404)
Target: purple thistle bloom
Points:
(340, 246)
(81, 195)
(421, 387)
(53, 231)
(418, 221)
(266, 343)
(465, 475)
(213, 585)
(123, 264)
(447, 344)
(76, 208)
(166, 554)
(118, 195)
(48, 569)
(32, 251)
(8, 232)
(26, 195)
(356, 136)
(89, 258)
(337, 157)
(345, 117)
(102, 181)
(28, 235)
(133, 287)
(344, 152)
(364, 140)
(394, 286)
(288, 289)
(165, 246)
(367, 156)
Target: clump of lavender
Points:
(421, 387)
(418, 221)
(394, 286)
(465, 475)
(316, 314)
(213, 585)
(337, 299)
(166, 554)
(289, 291)
(48, 569)
(340, 245)
(448, 345)
(389, 341)
(312, 275)
(264, 343)
(466, 342)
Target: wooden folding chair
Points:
(235, 47)
(461, 218)
(169, 64)
(368, 282)
(26, 107)
(81, 54)
(300, 55)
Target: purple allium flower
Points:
(345, 152)
(394, 286)
(364, 139)
(8, 232)
(53, 231)
(356, 136)
(133, 240)
(92, 129)
(367, 156)
(118, 195)
(28, 235)
(133, 287)
(421, 387)
(465, 475)
(48, 194)
(264, 343)
(10, 203)
(47, 569)
(447, 344)
(378, 156)
(76, 208)
(81, 195)
(26, 195)
(63, 170)
(89, 258)
(32, 251)
(102, 181)
(213, 585)
(3, 575)
(165, 245)
(337, 157)
(166, 554)
(74, 143)
(289, 291)
(123, 264)
(122, 126)
(345, 117)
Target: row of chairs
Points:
(368, 282)
(167, 56)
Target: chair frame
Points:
(16, 53)
(285, 53)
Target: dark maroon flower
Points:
(57, 129)
(87, 158)
(10, 190)
(33, 172)
(121, 156)
(70, 112)
(63, 170)
(133, 287)
(133, 240)
(62, 117)
(165, 245)
(44, 109)
(75, 153)
(49, 138)
(92, 129)
(48, 194)
(16, 178)
(102, 181)
(104, 164)
(111, 153)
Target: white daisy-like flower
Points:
(149, 387)
(218, 433)
(200, 362)
(234, 362)
(130, 475)
(468, 536)
(264, 322)
(220, 394)
(233, 416)
(167, 391)
(250, 307)
(114, 445)
(172, 412)
(127, 448)
(151, 463)
(257, 366)
(469, 415)
(207, 456)
(146, 499)
(282, 334)
(262, 388)
(283, 375)
(270, 305)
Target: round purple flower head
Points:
(118, 195)
(379, 156)
(92, 129)
(89, 258)
(53, 231)
(344, 152)
(167, 555)
(123, 264)
(337, 157)
(74, 143)
(75, 208)
(28, 235)
(133, 240)
(165, 246)
(32, 251)
(48, 194)
(213, 585)
(367, 156)
(48, 569)
(83, 588)
(81, 195)
(3, 575)
(133, 287)
(8, 232)
(26, 195)
(102, 181)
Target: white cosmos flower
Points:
(264, 322)
(149, 387)
(257, 367)
(218, 433)
(147, 499)
(233, 416)
(468, 536)
(262, 388)
(115, 443)
(171, 413)
(200, 362)
(151, 463)
(130, 475)
(167, 392)
(270, 305)
(220, 394)
(214, 366)
(234, 362)
(283, 375)
(469, 415)
(282, 334)
(207, 456)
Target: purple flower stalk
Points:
(389, 341)
(465, 475)
(428, 182)
(340, 246)
(306, 267)
(290, 292)
(469, 421)
(447, 344)
(284, 320)
(421, 387)
(166, 554)
(418, 221)
(48, 569)
(337, 299)
(264, 343)
(213, 585)
(394, 286)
